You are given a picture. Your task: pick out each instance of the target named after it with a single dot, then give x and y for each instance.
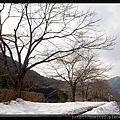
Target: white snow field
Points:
(20, 106)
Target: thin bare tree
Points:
(91, 72)
(36, 33)
(79, 71)
(99, 89)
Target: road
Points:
(118, 104)
(108, 116)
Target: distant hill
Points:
(114, 84)
(33, 75)
(52, 88)
(37, 83)
(45, 80)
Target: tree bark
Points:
(73, 93)
(17, 90)
(83, 93)
(83, 96)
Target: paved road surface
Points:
(118, 104)
(109, 116)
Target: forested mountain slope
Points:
(53, 90)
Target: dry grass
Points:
(7, 95)
(32, 96)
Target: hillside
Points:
(114, 84)
(34, 82)
(54, 90)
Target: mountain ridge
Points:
(42, 84)
(114, 84)
(49, 83)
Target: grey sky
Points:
(110, 22)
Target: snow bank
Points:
(108, 108)
(20, 107)
(26, 107)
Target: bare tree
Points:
(37, 33)
(79, 71)
(91, 72)
(66, 70)
(99, 89)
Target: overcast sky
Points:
(110, 22)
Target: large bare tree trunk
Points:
(83, 95)
(73, 93)
(17, 90)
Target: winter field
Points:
(21, 107)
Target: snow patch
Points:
(21, 106)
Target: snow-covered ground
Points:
(108, 108)
(20, 106)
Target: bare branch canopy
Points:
(35, 33)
